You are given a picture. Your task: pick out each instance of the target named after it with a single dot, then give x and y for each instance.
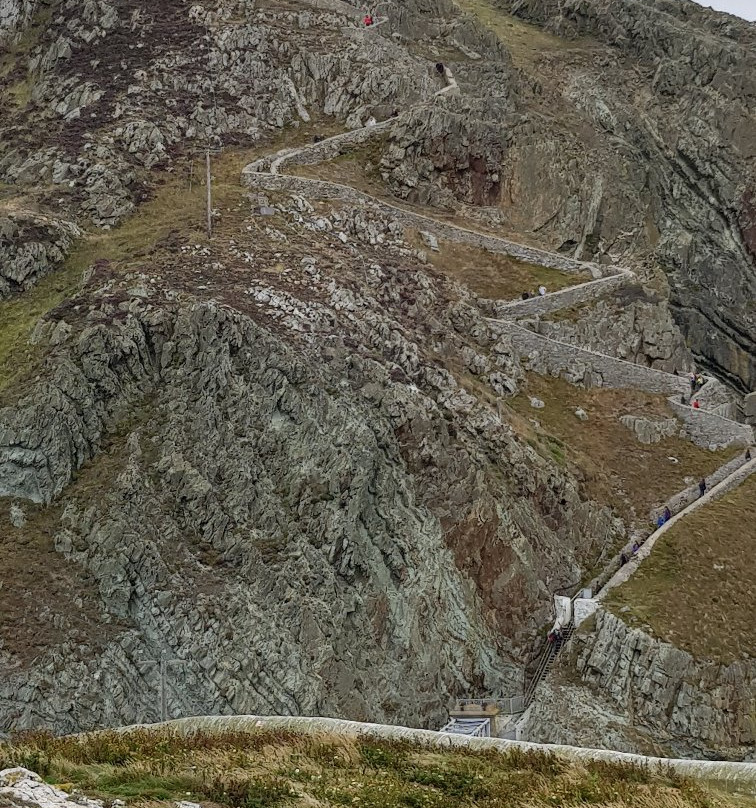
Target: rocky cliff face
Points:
(632, 325)
(293, 497)
(14, 17)
(620, 688)
(31, 246)
(628, 146)
(278, 460)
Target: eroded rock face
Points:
(630, 326)
(636, 692)
(692, 132)
(293, 497)
(14, 15)
(31, 246)
(624, 148)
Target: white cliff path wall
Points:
(552, 356)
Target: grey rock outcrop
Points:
(645, 694)
(31, 246)
(14, 15)
(651, 430)
(21, 788)
(629, 326)
(117, 95)
(303, 509)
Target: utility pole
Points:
(209, 197)
(162, 666)
(164, 663)
(163, 711)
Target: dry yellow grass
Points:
(267, 769)
(492, 275)
(526, 43)
(616, 468)
(707, 560)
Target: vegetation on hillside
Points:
(707, 561)
(266, 769)
(616, 468)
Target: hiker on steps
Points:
(702, 487)
(368, 20)
(696, 405)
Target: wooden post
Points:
(209, 197)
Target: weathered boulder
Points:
(21, 788)
(651, 430)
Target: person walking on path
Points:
(702, 486)
(747, 455)
(667, 514)
(696, 404)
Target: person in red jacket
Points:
(368, 19)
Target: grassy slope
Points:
(707, 560)
(495, 276)
(618, 469)
(526, 43)
(269, 769)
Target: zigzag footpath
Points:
(551, 357)
(704, 428)
(735, 776)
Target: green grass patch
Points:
(707, 561)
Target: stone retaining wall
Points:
(676, 504)
(729, 482)
(556, 358)
(563, 299)
(591, 368)
(254, 178)
(682, 499)
(336, 6)
(329, 148)
(710, 430)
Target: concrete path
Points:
(731, 482)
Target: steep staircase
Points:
(547, 660)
